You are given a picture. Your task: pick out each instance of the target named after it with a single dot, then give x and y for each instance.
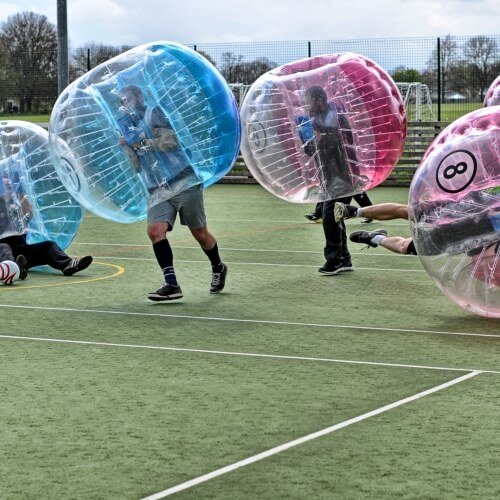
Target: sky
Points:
(134, 22)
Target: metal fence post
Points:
(438, 48)
(62, 46)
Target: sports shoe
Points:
(366, 221)
(166, 292)
(343, 211)
(218, 280)
(365, 237)
(22, 263)
(77, 265)
(332, 267)
(313, 217)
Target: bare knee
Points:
(402, 211)
(404, 244)
(157, 231)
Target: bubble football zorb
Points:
(454, 210)
(142, 127)
(492, 97)
(33, 199)
(323, 127)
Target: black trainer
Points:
(166, 292)
(332, 267)
(218, 280)
(343, 211)
(365, 237)
(77, 265)
(366, 221)
(21, 264)
(313, 217)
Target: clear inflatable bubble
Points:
(323, 127)
(141, 127)
(492, 97)
(32, 198)
(454, 208)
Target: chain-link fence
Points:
(439, 78)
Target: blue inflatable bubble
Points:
(142, 127)
(32, 198)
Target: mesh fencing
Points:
(440, 78)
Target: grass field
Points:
(289, 384)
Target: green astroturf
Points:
(123, 421)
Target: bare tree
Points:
(91, 55)
(482, 55)
(29, 42)
(229, 62)
(448, 52)
(236, 71)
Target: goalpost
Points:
(417, 101)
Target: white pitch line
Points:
(260, 264)
(296, 442)
(244, 354)
(249, 321)
(249, 250)
(297, 222)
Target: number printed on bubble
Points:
(456, 171)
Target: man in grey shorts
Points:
(161, 219)
(151, 143)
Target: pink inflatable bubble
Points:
(492, 97)
(454, 208)
(323, 127)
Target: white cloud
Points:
(132, 22)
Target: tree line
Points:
(28, 64)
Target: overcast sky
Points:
(133, 22)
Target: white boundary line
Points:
(250, 321)
(243, 354)
(305, 439)
(230, 249)
(296, 222)
(260, 264)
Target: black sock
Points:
(165, 258)
(214, 257)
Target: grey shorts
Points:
(188, 204)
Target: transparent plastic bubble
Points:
(32, 198)
(492, 97)
(454, 208)
(142, 127)
(323, 128)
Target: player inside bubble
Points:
(143, 127)
(33, 198)
(152, 146)
(322, 128)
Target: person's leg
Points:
(383, 211)
(192, 214)
(51, 254)
(363, 200)
(208, 243)
(317, 215)
(336, 253)
(396, 244)
(161, 219)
